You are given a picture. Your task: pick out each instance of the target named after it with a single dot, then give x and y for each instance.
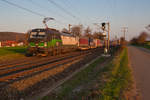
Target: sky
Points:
(133, 14)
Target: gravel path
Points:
(140, 62)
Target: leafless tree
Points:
(77, 30)
(133, 40)
(98, 35)
(148, 27)
(88, 32)
(142, 38)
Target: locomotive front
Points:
(37, 42)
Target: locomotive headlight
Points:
(45, 44)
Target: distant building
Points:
(8, 43)
(20, 44)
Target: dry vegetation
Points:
(11, 53)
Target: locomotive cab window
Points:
(37, 35)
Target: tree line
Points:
(141, 39)
(78, 30)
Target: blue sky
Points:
(133, 14)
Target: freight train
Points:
(52, 42)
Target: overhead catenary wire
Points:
(28, 10)
(23, 8)
(46, 8)
(75, 8)
(62, 8)
(69, 5)
(37, 13)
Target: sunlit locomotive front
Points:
(41, 41)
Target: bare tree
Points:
(98, 35)
(134, 40)
(142, 38)
(87, 32)
(77, 30)
(148, 27)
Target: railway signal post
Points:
(106, 38)
(106, 34)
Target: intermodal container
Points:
(83, 41)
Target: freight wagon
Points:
(88, 43)
(83, 43)
(98, 43)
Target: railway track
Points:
(33, 77)
(12, 73)
(29, 65)
(12, 62)
(33, 60)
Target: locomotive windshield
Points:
(37, 35)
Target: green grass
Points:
(81, 78)
(119, 78)
(113, 79)
(12, 50)
(10, 53)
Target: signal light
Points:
(103, 26)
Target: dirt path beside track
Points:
(140, 62)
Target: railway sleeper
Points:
(59, 76)
(54, 78)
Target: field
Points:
(9, 53)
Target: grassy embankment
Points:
(9, 53)
(81, 78)
(119, 78)
(111, 80)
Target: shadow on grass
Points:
(12, 50)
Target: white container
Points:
(69, 40)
